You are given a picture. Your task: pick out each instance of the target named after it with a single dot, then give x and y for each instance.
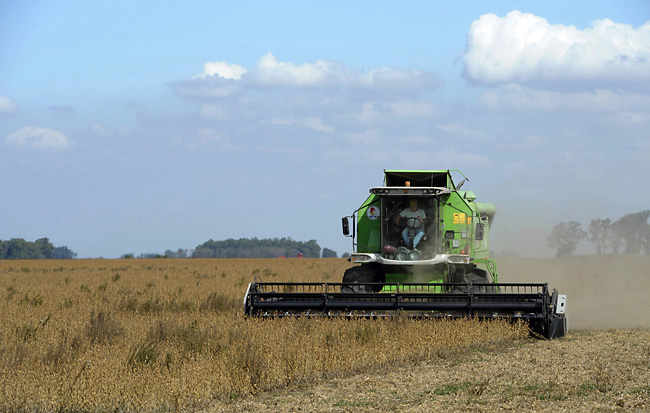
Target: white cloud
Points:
(221, 79)
(271, 72)
(524, 48)
(7, 105)
(223, 70)
(39, 138)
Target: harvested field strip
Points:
(169, 334)
(598, 370)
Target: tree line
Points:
(247, 248)
(19, 249)
(257, 248)
(630, 234)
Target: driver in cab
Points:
(415, 221)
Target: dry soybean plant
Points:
(170, 334)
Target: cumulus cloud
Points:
(38, 138)
(222, 79)
(223, 70)
(527, 49)
(270, 72)
(7, 105)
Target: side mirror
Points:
(346, 226)
(478, 234)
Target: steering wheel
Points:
(413, 223)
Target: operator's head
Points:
(414, 204)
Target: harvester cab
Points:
(419, 227)
(421, 245)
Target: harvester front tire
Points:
(361, 274)
(469, 275)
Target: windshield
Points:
(409, 228)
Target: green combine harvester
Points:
(421, 245)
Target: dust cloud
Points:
(602, 291)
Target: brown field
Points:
(602, 365)
(169, 335)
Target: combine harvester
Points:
(422, 248)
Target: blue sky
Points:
(151, 126)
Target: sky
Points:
(135, 127)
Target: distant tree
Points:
(645, 241)
(128, 255)
(633, 230)
(328, 253)
(63, 253)
(345, 255)
(257, 248)
(565, 237)
(600, 233)
(19, 249)
(150, 255)
(45, 246)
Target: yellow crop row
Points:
(170, 334)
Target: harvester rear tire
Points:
(361, 274)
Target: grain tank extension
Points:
(421, 245)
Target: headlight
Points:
(414, 255)
(458, 259)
